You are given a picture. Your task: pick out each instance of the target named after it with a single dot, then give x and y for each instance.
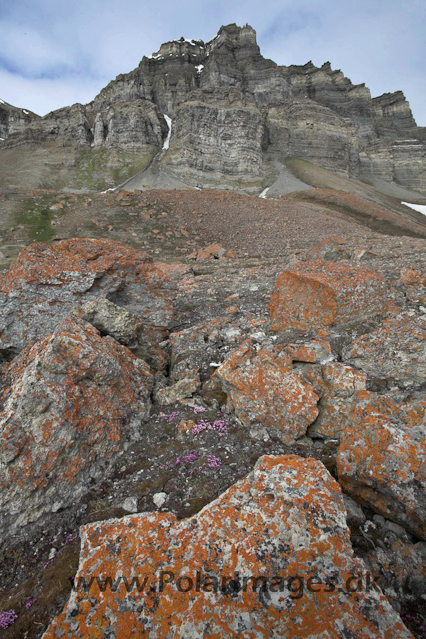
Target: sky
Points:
(54, 53)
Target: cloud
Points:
(56, 52)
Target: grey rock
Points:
(74, 402)
(13, 119)
(421, 548)
(130, 504)
(379, 520)
(396, 529)
(354, 512)
(159, 499)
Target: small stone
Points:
(130, 504)
(398, 530)
(379, 520)
(159, 499)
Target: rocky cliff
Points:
(13, 120)
(233, 113)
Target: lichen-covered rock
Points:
(74, 401)
(381, 460)
(46, 281)
(271, 557)
(183, 389)
(396, 350)
(316, 294)
(340, 385)
(263, 388)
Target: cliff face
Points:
(232, 110)
(13, 119)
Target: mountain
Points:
(235, 118)
(13, 119)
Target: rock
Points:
(410, 277)
(311, 352)
(285, 520)
(401, 570)
(14, 120)
(217, 132)
(262, 387)
(74, 402)
(354, 513)
(379, 520)
(381, 459)
(183, 389)
(332, 250)
(47, 281)
(420, 546)
(130, 504)
(230, 111)
(397, 530)
(317, 294)
(396, 350)
(159, 499)
(113, 320)
(142, 339)
(341, 384)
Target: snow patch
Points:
(26, 112)
(169, 124)
(199, 67)
(263, 194)
(2, 101)
(107, 191)
(420, 208)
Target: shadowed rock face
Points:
(286, 518)
(250, 106)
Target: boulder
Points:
(74, 402)
(316, 294)
(270, 557)
(381, 460)
(396, 350)
(339, 388)
(263, 388)
(46, 281)
(127, 328)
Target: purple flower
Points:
(7, 618)
(214, 462)
(188, 459)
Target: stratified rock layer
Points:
(74, 401)
(285, 522)
(231, 110)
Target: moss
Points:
(36, 216)
(98, 169)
